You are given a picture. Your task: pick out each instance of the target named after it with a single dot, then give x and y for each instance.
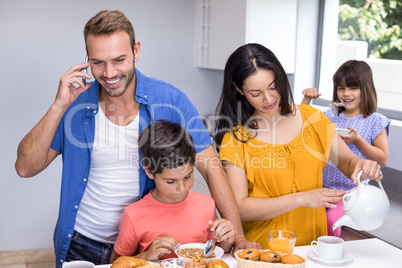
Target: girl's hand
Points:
(224, 230)
(311, 93)
(160, 246)
(321, 197)
(352, 137)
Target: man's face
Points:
(112, 61)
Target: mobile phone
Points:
(84, 80)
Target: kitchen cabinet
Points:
(224, 25)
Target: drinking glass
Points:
(281, 241)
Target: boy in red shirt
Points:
(171, 214)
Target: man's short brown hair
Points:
(108, 22)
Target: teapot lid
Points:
(349, 199)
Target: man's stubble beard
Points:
(130, 79)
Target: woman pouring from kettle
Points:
(274, 151)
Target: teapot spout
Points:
(345, 220)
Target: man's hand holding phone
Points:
(68, 91)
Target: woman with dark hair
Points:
(274, 151)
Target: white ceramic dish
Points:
(218, 251)
(347, 257)
(343, 131)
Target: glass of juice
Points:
(281, 241)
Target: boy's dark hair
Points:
(166, 145)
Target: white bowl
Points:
(343, 131)
(218, 251)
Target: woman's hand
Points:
(370, 169)
(322, 197)
(160, 246)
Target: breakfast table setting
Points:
(367, 253)
(365, 208)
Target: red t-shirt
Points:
(147, 219)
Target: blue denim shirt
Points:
(75, 135)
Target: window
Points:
(383, 54)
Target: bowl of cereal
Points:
(196, 250)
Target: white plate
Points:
(218, 251)
(343, 131)
(347, 256)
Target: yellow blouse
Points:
(279, 169)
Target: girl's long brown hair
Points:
(355, 73)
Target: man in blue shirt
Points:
(95, 127)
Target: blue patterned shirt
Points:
(368, 128)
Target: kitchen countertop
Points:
(367, 253)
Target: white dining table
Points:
(364, 253)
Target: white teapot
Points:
(365, 207)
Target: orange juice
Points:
(283, 245)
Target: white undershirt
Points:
(113, 181)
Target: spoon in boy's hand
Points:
(210, 246)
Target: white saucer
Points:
(347, 256)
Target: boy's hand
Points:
(224, 230)
(162, 245)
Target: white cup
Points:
(328, 247)
(78, 264)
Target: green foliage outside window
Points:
(378, 22)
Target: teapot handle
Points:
(380, 184)
(359, 182)
(358, 177)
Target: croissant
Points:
(128, 262)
